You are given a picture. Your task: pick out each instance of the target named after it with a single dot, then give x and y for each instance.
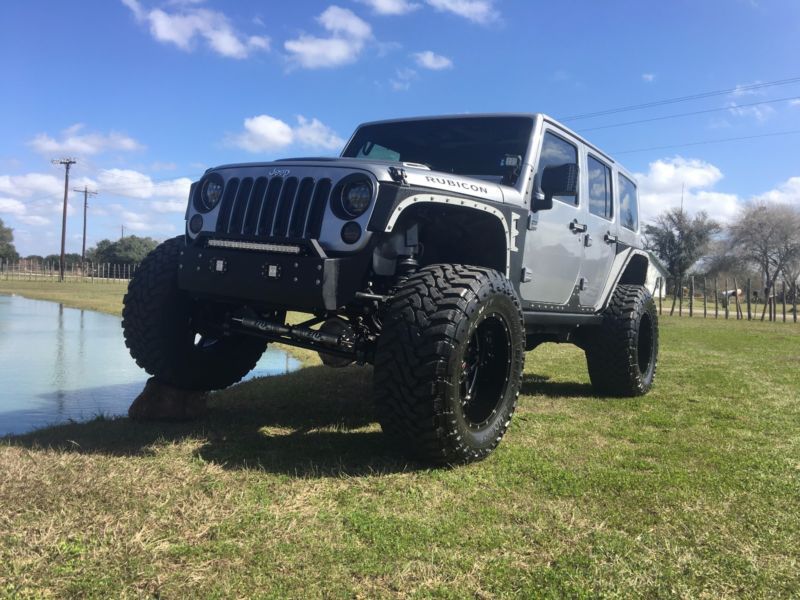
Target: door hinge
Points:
(527, 275)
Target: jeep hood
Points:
(416, 175)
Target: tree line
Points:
(761, 244)
(129, 250)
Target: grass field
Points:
(287, 490)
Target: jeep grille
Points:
(273, 207)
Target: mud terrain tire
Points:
(159, 329)
(449, 363)
(622, 354)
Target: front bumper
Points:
(311, 281)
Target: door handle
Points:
(610, 239)
(576, 227)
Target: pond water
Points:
(59, 364)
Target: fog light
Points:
(351, 232)
(196, 223)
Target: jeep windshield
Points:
(473, 146)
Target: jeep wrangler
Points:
(437, 249)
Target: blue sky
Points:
(148, 93)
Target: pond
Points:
(59, 364)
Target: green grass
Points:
(287, 490)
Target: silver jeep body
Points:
(276, 239)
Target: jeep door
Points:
(552, 256)
(599, 218)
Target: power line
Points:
(740, 88)
(688, 114)
(717, 141)
(67, 162)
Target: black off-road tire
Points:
(622, 354)
(448, 364)
(158, 322)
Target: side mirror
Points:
(556, 181)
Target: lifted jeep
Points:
(437, 249)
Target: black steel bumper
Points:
(311, 281)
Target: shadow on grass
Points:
(315, 422)
(540, 385)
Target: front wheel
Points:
(165, 336)
(449, 363)
(622, 354)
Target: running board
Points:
(561, 319)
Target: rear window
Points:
(600, 202)
(628, 204)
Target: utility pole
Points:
(67, 162)
(86, 193)
(122, 232)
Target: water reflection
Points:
(59, 364)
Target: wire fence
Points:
(727, 298)
(24, 270)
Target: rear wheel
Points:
(165, 334)
(622, 354)
(449, 362)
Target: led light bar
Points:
(282, 248)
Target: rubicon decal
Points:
(457, 184)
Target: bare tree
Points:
(679, 240)
(767, 235)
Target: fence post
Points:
(739, 314)
(705, 298)
(660, 295)
(727, 300)
(794, 303)
(691, 296)
(749, 295)
(674, 296)
(680, 297)
(783, 299)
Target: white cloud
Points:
(667, 179)
(432, 61)
(184, 27)
(759, 113)
(127, 183)
(315, 134)
(349, 33)
(648, 77)
(72, 142)
(169, 206)
(35, 220)
(391, 7)
(264, 133)
(11, 206)
(402, 79)
(31, 184)
(794, 102)
(786, 193)
(477, 11)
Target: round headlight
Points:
(356, 197)
(210, 192)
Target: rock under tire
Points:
(157, 322)
(432, 326)
(622, 354)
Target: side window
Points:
(557, 151)
(628, 204)
(600, 198)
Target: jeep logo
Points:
(279, 173)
